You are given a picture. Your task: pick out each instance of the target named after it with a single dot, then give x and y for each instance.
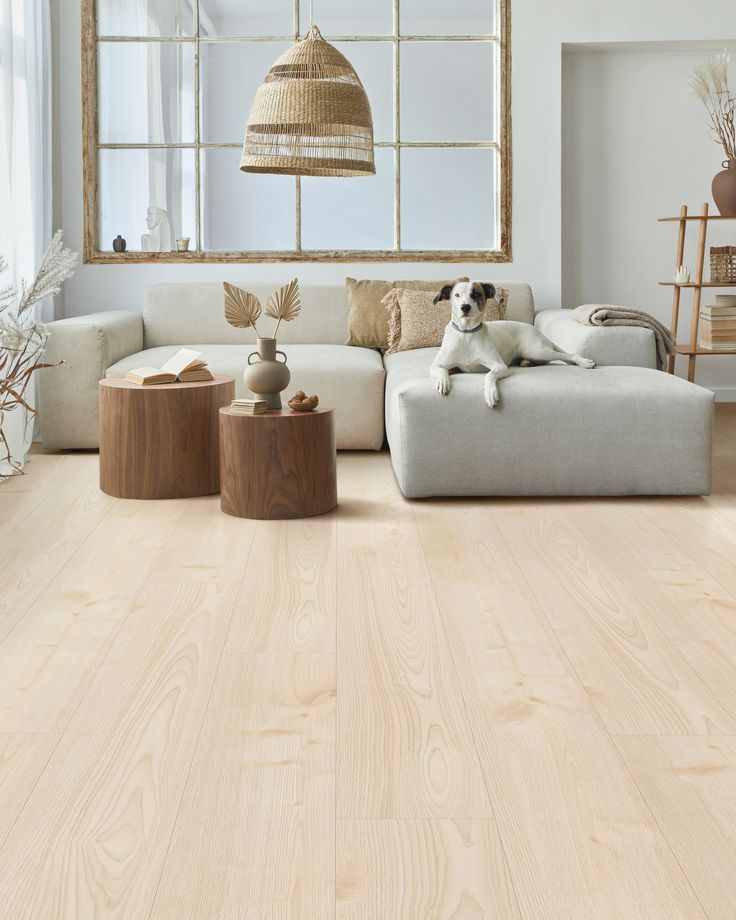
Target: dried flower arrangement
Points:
(709, 83)
(22, 338)
(242, 308)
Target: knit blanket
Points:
(599, 314)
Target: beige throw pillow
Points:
(368, 320)
(415, 321)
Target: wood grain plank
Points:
(41, 544)
(422, 870)
(255, 836)
(288, 599)
(636, 678)
(23, 758)
(48, 661)
(92, 838)
(690, 786)
(208, 546)
(684, 599)
(405, 749)
(579, 840)
(715, 663)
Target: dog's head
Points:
(468, 300)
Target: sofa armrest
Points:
(67, 394)
(628, 346)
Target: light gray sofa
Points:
(558, 430)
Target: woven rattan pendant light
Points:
(310, 116)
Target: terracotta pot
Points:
(267, 376)
(724, 189)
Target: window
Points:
(167, 89)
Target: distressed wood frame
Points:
(91, 146)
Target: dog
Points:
(472, 345)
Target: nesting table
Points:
(278, 464)
(161, 440)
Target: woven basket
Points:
(310, 116)
(723, 264)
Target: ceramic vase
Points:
(724, 189)
(266, 377)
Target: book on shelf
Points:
(710, 346)
(718, 312)
(186, 366)
(726, 300)
(249, 406)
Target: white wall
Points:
(635, 148)
(539, 29)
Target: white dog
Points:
(471, 345)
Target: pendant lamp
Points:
(310, 116)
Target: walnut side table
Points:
(161, 440)
(278, 464)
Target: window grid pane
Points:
(397, 144)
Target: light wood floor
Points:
(439, 709)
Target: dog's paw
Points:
(491, 397)
(585, 362)
(442, 384)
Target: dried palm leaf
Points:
(242, 308)
(284, 304)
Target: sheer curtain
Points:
(25, 139)
(25, 166)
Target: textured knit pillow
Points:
(368, 320)
(415, 321)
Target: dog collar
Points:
(466, 331)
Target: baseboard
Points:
(724, 394)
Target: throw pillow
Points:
(415, 321)
(368, 320)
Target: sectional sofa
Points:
(623, 428)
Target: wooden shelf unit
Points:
(692, 348)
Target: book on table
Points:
(186, 366)
(249, 406)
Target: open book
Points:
(186, 366)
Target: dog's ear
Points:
(489, 290)
(444, 294)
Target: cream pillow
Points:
(368, 320)
(415, 321)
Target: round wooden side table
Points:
(161, 440)
(278, 464)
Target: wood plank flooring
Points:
(509, 709)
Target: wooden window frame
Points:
(91, 147)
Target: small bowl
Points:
(300, 402)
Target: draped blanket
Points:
(597, 314)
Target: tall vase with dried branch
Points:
(22, 340)
(267, 377)
(710, 84)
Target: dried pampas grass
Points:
(709, 83)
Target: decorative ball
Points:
(300, 402)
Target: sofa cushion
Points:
(368, 320)
(350, 379)
(191, 312)
(557, 431)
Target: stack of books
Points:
(718, 324)
(249, 406)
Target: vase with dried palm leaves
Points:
(710, 84)
(22, 341)
(266, 377)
